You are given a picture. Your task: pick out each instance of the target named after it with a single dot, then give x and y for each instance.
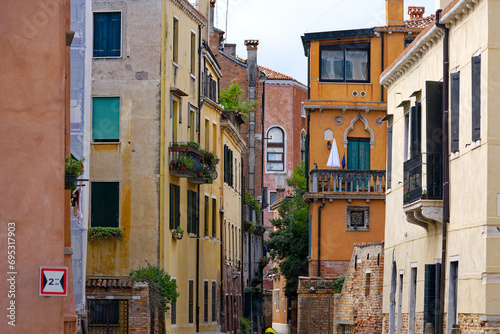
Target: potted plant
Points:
(424, 194)
(263, 261)
(177, 233)
(72, 169)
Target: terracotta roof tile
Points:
(271, 74)
(419, 23)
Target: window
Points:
(228, 165)
(431, 292)
(193, 53)
(207, 135)
(275, 150)
(214, 217)
(277, 299)
(173, 308)
(345, 63)
(192, 212)
(205, 301)
(105, 204)
(190, 303)
(476, 98)
(273, 195)
(400, 304)
(358, 153)
(407, 133)
(175, 45)
(175, 215)
(452, 295)
(389, 156)
(108, 315)
(175, 117)
(214, 299)
(207, 214)
(303, 146)
(415, 130)
(413, 298)
(106, 119)
(357, 218)
(303, 111)
(107, 34)
(192, 124)
(455, 111)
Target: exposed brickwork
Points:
(329, 269)
(138, 309)
(232, 305)
(359, 304)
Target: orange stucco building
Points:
(35, 228)
(346, 107)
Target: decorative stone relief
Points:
(328, 134)
(339, 120)
(379, 121)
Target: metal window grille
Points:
(108, 316)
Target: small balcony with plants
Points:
(423, 190)
(188, 160)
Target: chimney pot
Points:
(251, 44)
(416, 12)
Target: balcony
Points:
(209, 87)
(187, 160)
(423, 205)
(347, 182)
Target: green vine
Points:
(98, 233)
(338, 284)
(254, 204)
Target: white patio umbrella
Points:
(333, 159)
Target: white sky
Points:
(278, 25)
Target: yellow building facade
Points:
(414, 209)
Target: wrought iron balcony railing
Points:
(353, 180)
(413, 172)
(209, 87)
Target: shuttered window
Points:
(214, 298)
(214, 217)
(389, 156)
(190, 302)
(107, 34)
(205, 301)
(105, 204)
(228, 166)
(415, 130)
(192, 212)
(476, 98)
(455, 111)
(105, 119)
(207, 214)
(358, 153)
(175, 215)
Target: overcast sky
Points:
(278, 25)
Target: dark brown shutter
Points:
(455, 111)
(389, 157)
(476, 98)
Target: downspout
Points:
(319, 237)
(308, 72)
(262, 146)
(382, 65)
(161, 249)
(307, 149)
(446, 167)
(242, 276)
(200, 104)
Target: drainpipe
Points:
(306, 167)
(319, 236)
(446, 166)
(262, 148)
(382, 65)
(200, 104)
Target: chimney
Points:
(230, 49)
(415, 12)
(394, 12)
(211, 18)
(252, 66)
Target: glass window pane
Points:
(275, 135)
(273, 166)
(332, 65)
(356, 65)
(274, 157)
(275, 149)
(106, 118)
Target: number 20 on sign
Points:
(53, 281)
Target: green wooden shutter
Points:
(196, 213)
(172, 207)
(189, 211)
(231, 168)
(434, 116)
(214, 217)
(352, 154)
(418, 126)
(476, 98)
(114, 38)
(413, 132)
(364, 155)
(100, 34)
(206, 216)
(105, 204)
(177, 206)
(455, 111)
(106, 119)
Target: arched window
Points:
(303, 145)
(275, 150)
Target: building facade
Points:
(34, 202)
(431, 282)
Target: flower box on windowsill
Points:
(177, 235)
(69, 181)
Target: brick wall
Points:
(360, 303)
(138, 304)
(329, 269)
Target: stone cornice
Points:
(213, 105)
(226, 125)
(190, 11)
(322, 107)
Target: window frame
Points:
(175, 41)
(355, 46)
(174, 202)
(94, 32)
(108, 141)
(276, 145)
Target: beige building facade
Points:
(414, 201)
